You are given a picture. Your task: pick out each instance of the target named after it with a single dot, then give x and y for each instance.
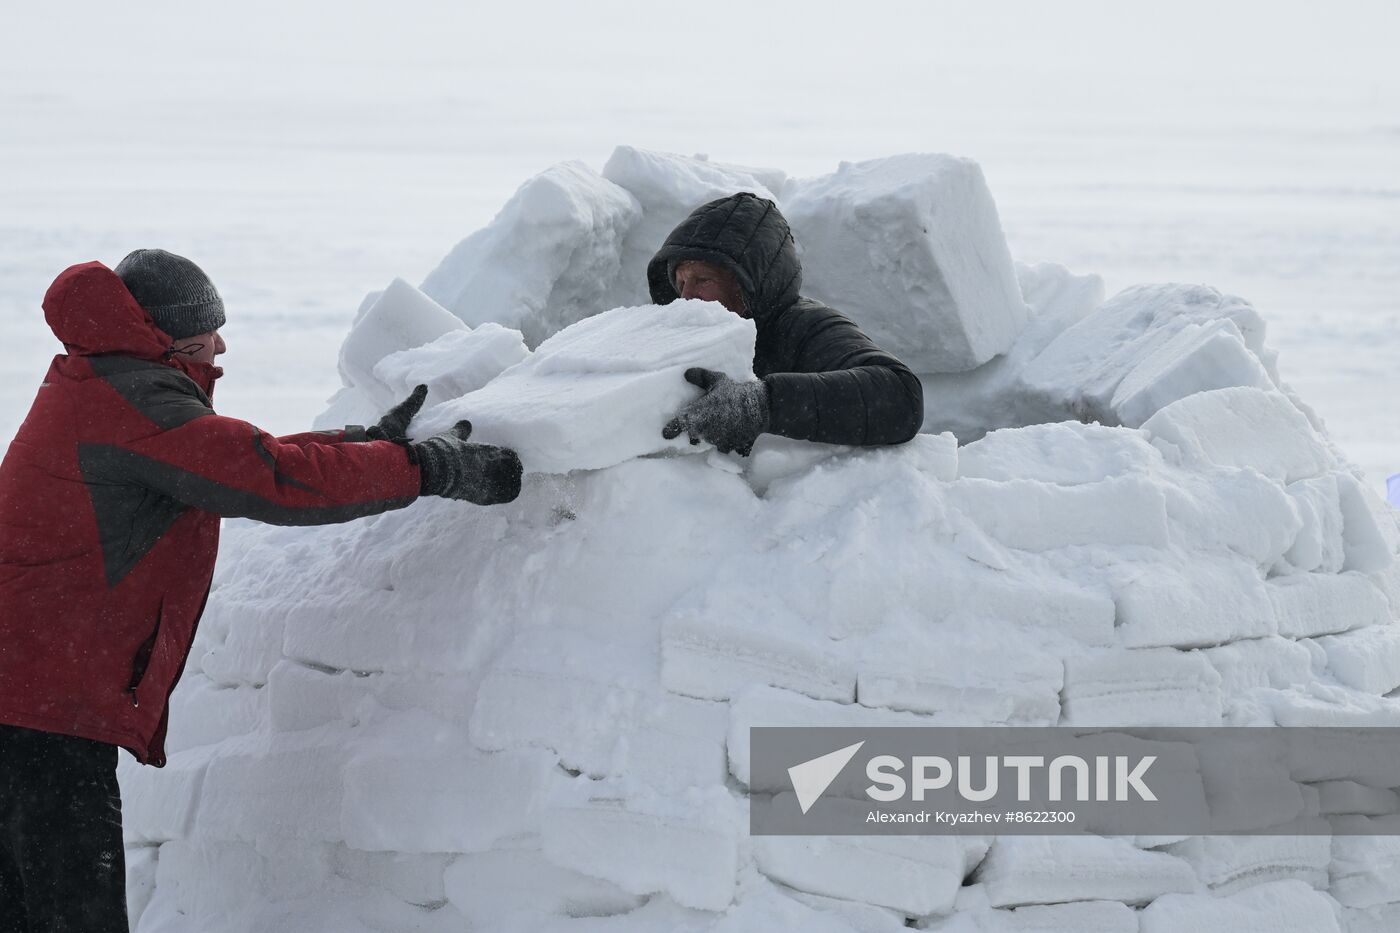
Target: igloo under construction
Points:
(535, 716)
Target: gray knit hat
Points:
(174, 291)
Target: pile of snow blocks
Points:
(535, 716)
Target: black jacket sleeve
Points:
(829, 382)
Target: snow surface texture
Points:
(534, 716)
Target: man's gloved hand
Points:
(394, 425)
(731, 415)
(455, 469)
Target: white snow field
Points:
(534, 716)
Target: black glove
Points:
(731, 415)
(394, 425)
(454, 469)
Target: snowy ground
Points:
(307, 153)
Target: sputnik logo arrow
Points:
(811, 778)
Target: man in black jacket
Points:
(820, 377)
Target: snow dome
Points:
(534, 716)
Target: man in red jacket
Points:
(110, 499)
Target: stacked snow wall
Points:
(534, 716)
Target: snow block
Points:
(550, 258)
(1229, 864)
(1365, 869)
(1077, 917)
(516, 889)
(1142, 687)
(441, 796)
(767, 706)
(458, 362)
(206, 712)
(1279, 907)
(675, 742)
(1038, 516)
(1049, 869)
(599, 392)
(685, 846)
(1003, 682)
(911, 248)
(412, 878)
(286, 786)
(536, 696)
(1238, 510)
(1261, 662)
(1242, 427)
(1337, 798)
(1197, 358)
(1382, 919)
(916, 875)
(140, 881)
(400, 319)
(1200, 602)
(1368, 659)
(1066, 453)
(1319, 545)
(1326, 705)
(713, 655)
(668, 187)
(1369, 535)
(1248, 786)
(1081, 370)
(159, 804)
(1308, 604)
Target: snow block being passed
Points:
(911, 248)
(600, 392)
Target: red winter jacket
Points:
(110, 497)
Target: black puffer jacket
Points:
(826, 380)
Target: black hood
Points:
(743, 233)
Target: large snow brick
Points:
(912, 249)
(159, 804)
(706, 655)
(599, 392)
(1066, 453)
(1242, 427)
(1261, 662)
(1142, 687)
(1365, 869)
(1048, 869)
(1368, 659)
(1280, 907)
(1229, 864)
(551, 257)
(206, 712)
(1337, 798)
(413, 878)
(1319, 545)
(917, 875)
(1369, 535)
(286, 786)
(515, 889)
(1239, 510)
(965, 676)
(400, 319)
(686, 846)
(1037, 516)
(1308, 604)
(574, 705)
(767, 706)
(1208, 601)
(1197, 358)
(675, 742)
(443, 797)
(1082, 368)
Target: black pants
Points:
(62, 868)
